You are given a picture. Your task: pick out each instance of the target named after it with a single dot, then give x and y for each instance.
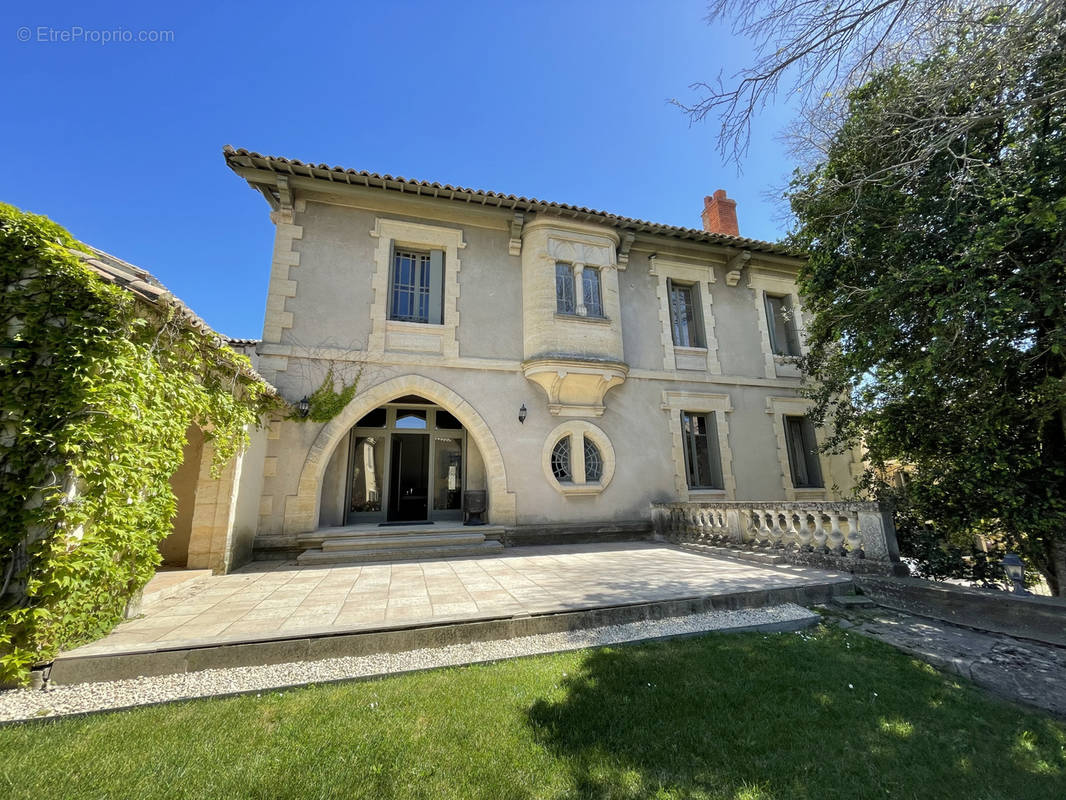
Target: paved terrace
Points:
(272, 599)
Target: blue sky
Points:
(565, 101)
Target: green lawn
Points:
(819, 715)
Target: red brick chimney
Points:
(720, 214)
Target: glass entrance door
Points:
(409, 484)
(406, 463)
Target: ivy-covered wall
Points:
(97, 388)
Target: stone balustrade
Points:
(847, 531)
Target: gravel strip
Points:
(19, 704)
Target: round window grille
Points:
(561, 461)
(593, 462)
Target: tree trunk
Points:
(1056, 570)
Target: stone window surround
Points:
(700, 403)
(577, 430)
(386, 334)
(701, 276)
(776, 365)
(778, 408)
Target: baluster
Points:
(777, 529)
(836, 536)
(853, 539)
(819, 535)
(792, 537)
(765, 523)
(747, 526)
(802, 531)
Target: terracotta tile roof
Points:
(147, 287)
(238, 159)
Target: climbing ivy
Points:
(326, 402)
(97, 389)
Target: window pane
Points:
(683, 316)
(590, 281)
(448, 488)
(810, 450)
(783, 340)
(703, 464)
(410, 418)
(797, 457)
(411, 279)
(561, 460)
(368, 464)
(593, 462)
(564, 289)
(375, 419)
(447, 421)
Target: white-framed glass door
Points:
(406, 463)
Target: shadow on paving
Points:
(812, 715)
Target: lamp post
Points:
(1015, 569)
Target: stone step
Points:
(853, 601)
(405, 541)
(316, 538)
(310, 557)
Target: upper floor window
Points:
(565, 300)
(590, 282)
(703, 462)
(684, 315)
(802, 453)
(782, 325)
(416, 286)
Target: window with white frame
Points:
(703, 462)
(685, 314)
(699, 433)
(415, 287)
(802, 446)
(781, 323)
(565, 300)
(578, 458)
(590, 284)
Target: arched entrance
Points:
(302, 510)
(407, 461)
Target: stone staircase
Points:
(364, 543)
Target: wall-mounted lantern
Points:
(304, 406)
(1015, 569)
(522, 413)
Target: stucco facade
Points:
(609, 371)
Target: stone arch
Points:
(302, 509)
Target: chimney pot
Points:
(720, 214)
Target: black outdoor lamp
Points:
(522, 413)
(304, 406)
(1015, 570)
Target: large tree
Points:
(936, 227)
(815, 52)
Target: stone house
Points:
(567, 368)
